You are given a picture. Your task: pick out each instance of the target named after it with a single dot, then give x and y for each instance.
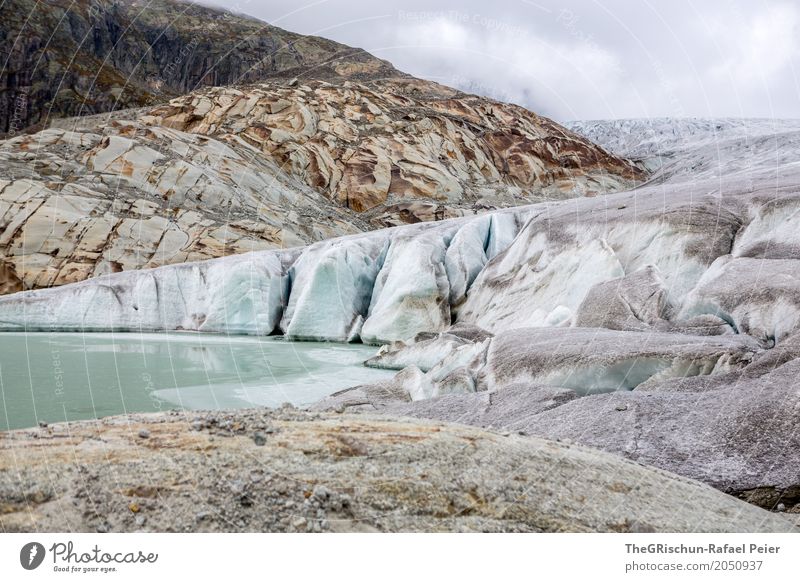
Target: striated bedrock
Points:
(373, 145)
(288, 470)
(75, 205)
(276, 165)
(580, 262)
(65, 58)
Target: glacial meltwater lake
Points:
(54, 377)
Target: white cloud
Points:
(573, 59)
(507, 62)
(762, 49)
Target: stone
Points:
(412, 476)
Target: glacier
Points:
(577, 262)
(615, 321)
(531, 266)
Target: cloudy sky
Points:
(577, 59)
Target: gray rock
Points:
(632, 303)
(408, 475)
(370, 397)
(508, 409)
(425, 352)
(737, 438)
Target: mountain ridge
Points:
(85, 57)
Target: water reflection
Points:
(68, 376)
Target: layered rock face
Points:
(65, 58)
(138, 197)
(230, 170)
(381, 145)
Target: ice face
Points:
(466, 256)
(241, 294)
(412, 290)
(538, 282)
(331, 289)
(757, 297)
(773, 231)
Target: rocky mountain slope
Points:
(64, 58)
(229, 170)
(617, 321)
(292, 471)
(331, 141)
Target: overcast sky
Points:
(577, 59)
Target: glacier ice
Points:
(598, 360)
(240, 294)
(332, 286)
(757, 297)
(538, 281)
(568, 263)
(412, 290)
(773, 231)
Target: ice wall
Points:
(524, 267)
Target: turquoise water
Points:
(54, 377)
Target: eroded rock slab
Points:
(293, 471)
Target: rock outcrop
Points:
(293, 471)
(307, 140)
(79, 58)
(230, 170)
